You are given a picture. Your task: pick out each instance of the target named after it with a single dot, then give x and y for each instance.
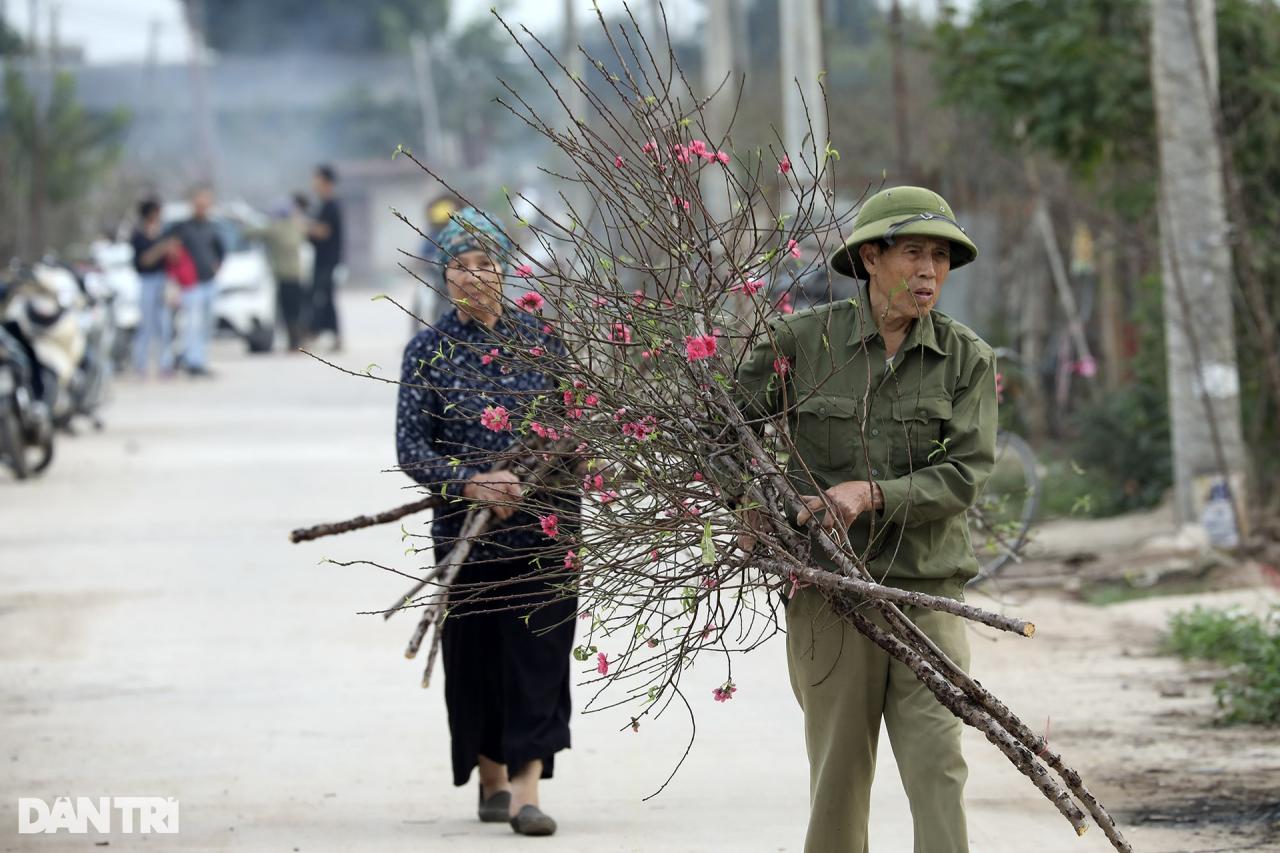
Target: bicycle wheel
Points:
(1001, 517)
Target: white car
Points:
(245, 299)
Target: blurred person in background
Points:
(199, 238)
(284, 238)
(325, 232)
(151, 249)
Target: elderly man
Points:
(892, 414)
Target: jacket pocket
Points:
(826, 432)
(918, 439)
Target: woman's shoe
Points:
(533, 821)
(496, 809)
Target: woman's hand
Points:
(843, 504)
(501, 490)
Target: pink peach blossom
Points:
(1086, 367)
(784, 165)
(699, 347)
(524, 270)
(550, 526)
(531, 302)
(602, 663)
(546, 432)
(495, 418)
(725, 693)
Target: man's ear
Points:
(870, 254)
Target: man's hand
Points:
(501, 490)
(843, 504)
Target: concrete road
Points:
(159, 636)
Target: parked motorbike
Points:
(68, 329)
(113, 269)
(26, 416)
(97, 317)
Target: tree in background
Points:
(467, 62)
(319, 26)
(52, 154)
(11, 43)
(1069, 84)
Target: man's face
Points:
(321, 186)
(475, 280)
(202, 203)
(908, 275)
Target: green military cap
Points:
(900, 212)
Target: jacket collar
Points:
(922, 332)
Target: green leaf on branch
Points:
(688, 599)
(708, 546)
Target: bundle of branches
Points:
(655, 298)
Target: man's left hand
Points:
(842, 504)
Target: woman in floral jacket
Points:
(507, 639)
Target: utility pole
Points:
(1204, 384)
(902, 136)
(152, 60)
(717, 71)
(55, 13)
(433, 147)
(804, 119)
(36, 199)
(200, 90)
(575, 98)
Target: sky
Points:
(117, 30)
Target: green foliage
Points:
(51, 154)
(320, 26)
(1068, 78)
(1248, 644)
(1120, 458)
(1122, 442)
(1249, 44)
(11, 43)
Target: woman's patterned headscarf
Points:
(467, 230)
